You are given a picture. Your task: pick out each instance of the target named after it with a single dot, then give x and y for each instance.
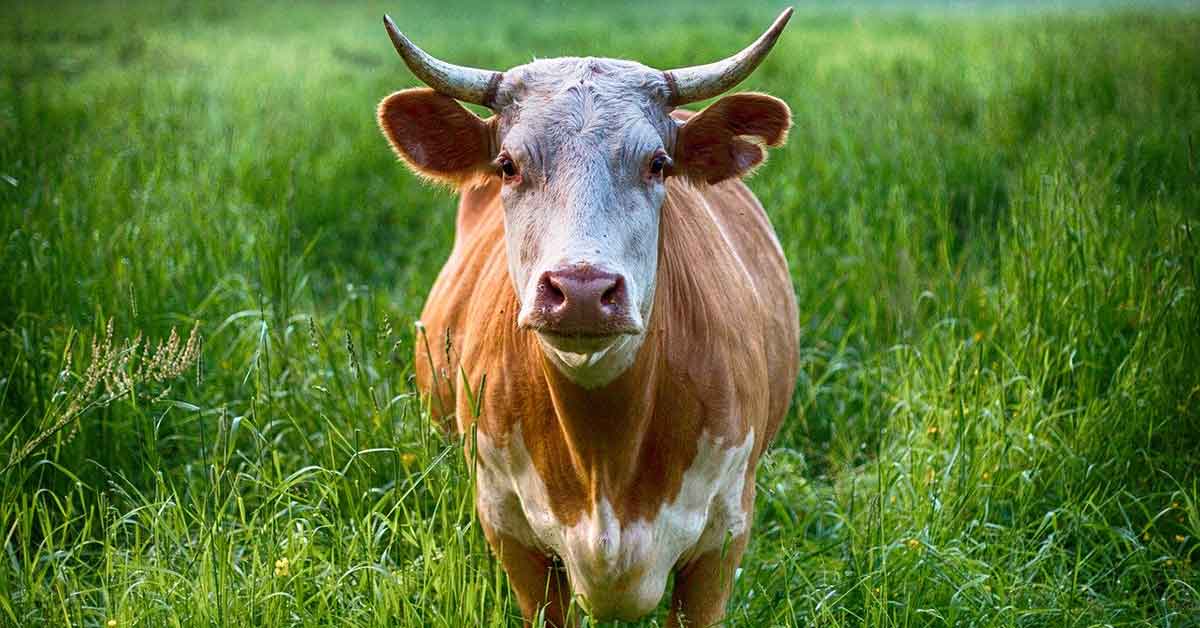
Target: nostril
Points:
(550, 295)
(615, 294)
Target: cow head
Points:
(582, 148)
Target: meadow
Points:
(211, 265)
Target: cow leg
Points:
(702, 587)
(533, 577)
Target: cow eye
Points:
(659, 163)
(507, 166)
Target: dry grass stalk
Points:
(115, 371)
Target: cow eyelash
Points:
(507, 167)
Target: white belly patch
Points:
(618, 571)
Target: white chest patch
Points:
(619, 571)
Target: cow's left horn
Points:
(463, 83)
(698, 82)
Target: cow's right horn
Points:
(463, 83)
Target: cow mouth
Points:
(584, 341)
(588, 334)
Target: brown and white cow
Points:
(626, 297)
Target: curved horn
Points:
(698, 82)
(463, 83)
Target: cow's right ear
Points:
(437, 137)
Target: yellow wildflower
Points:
(408, 459)
(978, 336)
(914, 544)
(1179, 538)
(282, 567)
(112, 623)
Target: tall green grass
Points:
(992, 219)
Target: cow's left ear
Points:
(728, 139)
(437, 137)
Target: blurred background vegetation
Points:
(991, 211)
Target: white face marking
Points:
(582, 133)
(619, 571)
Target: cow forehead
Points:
(546, 77)
(583, 99)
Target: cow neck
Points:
(604, 428)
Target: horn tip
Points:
(399, 41)
(783, 18)
(391, 27)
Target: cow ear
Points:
(437, 137)
(728, 139)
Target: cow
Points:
(615, 331)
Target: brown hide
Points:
(720, 354)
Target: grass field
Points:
(993, 223)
